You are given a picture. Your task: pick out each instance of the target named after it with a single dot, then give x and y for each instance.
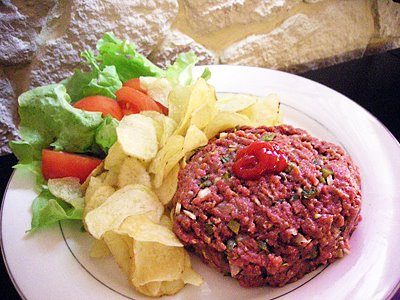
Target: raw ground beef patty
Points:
(278, 228)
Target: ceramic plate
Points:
(55, 263)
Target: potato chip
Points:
(115, 157)
(150, 289)
(138, 137)
(129, 201)
(166, 159)
(97, 198)
(194, 139)
(157, 262)
(225, 120)
(189, 276)
(201, 94)
(171, 287)
(166, 221)
(99, 249)
(67, 189)
(97, 171)
(132, 171)
(234, 102)
(157, 88)
(203, 115)
(111, 178)
(178, 100)
(165, 126)
(119, 249)
(264, 111)
(168, 187)
(140, 228)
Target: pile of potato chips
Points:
(128, 198)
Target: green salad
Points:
(79, 115)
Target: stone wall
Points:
(40, 41)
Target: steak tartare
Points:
(274, 229)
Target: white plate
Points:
(54, 263)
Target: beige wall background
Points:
(40, 41)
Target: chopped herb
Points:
(326, 172)
(295, 197)
(316, 162)
(322, 179)
(226, 175)
(225, 159)
(289, 167)
(204, 178)
(230, 244)
(311, 193)
(269, 136)
(205, 184)
(263, 245)
(234, 226)
(209, 227)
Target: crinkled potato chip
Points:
(119, 249)
(189, 275)
(132, 171)
(157, 262)
(111, 178)
(138, 137)
(165, 126)
(166, 221)
(194, 139)
(99, 249)
(166, 158)
(178, 101)
(264, 112)
(115, 157)
(157, 88)
(234, 102)
(168, 187)
(225, 120)
(67, 189)
(201, 94)
(129, 201)
(97, 198)
(140, 228)
(97, 171)
(203, 115)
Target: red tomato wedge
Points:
(134, 101)
(57, 164)
(105, 105)
(135, 84)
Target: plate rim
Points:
(389, 294)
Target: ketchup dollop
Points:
(257, 159)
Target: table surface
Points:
(373, 82)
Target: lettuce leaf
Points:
(127, 61)
(106, 133)
(104, 82)
(48, 119)
(47, 210)
(181, 71)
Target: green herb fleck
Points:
(225, 159)
(230, 244)
(226, 175)
(263, 245)
(205, 184)
(326, 172)
(289, 167)
(269, 136)
(209, 227)
(234, 226)
(322, 179)
(308, 194)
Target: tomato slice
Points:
(135, 84)
(134, 101)
(57, 164)
(105, 105)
